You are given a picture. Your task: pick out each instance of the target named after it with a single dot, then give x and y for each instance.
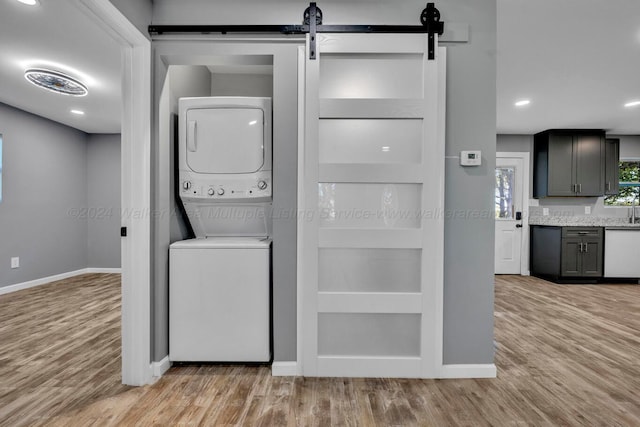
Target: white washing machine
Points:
(219, 300)
(220, 282)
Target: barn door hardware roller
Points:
(430, 18)
(312, 24)
(312, 17)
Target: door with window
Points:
(372, 190)
(510, 192)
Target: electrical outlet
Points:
(545, 211)
(15, 262)
(587, 210)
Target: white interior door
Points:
(509, 194)
(372, 193)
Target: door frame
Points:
(136, 325)
(524, 249)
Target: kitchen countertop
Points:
(583, 221)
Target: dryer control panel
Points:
(221, 188)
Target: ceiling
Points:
(576, 60)
(57, 35)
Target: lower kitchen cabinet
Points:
(567, 252)
(582, 251)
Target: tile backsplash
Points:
(575, 207)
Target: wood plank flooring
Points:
(566, 355)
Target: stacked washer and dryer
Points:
(220, 282)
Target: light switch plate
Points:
(587, 210)
(15, 262)
(545, 211)
(471, 158)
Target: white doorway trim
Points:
(136, 188)
(524, 250)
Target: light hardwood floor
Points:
(566, 355)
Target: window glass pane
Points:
(370, 205)
(505, 184)
(371, 75)
(629, 184)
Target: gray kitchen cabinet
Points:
(611, 166)
(593, 256)
(582, 251)
(569, 163)
(570, 256)
(562, 253)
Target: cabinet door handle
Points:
(586, 247)
(573, 188)
(609, 186)
(579, 188)
(580, 247)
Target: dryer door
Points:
(225, 140)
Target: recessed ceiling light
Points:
(522, 103)
(55, 82)
(632, 104)
(78, 112)
(29, 2)
(386, 149)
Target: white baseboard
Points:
(290, 369)
(284, 369)
(49, 279)
(38, 282)
(104, 270)
(159, 368)
(469, 371)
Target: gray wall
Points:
(471, 94)
(60, 210)
(103, 200)
(137, 11)
(469, 241)
(241, 85)
(518, 144)
(44, 197)
(629, 145)
(570, 206)
(168, 225)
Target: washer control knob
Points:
(186, 185)
(220, 191)
(211, 191)
(262, 185)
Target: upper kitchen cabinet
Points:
(569, 163)
(612, 166)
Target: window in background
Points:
(629, 184)
(505, 177)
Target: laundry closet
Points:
(231, 200)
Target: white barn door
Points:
(372, 207)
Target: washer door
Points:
(225, 140)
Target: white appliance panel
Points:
(217, 220)
(620, 256)
(219, 301)
(225, 140)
